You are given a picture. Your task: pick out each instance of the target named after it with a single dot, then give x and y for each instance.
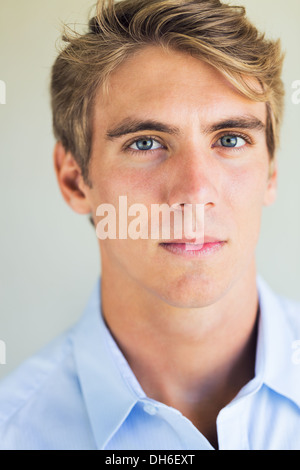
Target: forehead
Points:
(173, 86)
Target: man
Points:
(182, 345)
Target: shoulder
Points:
(279, 343)
(291, 308)
(287, 308)
(35, 392)
(282, 316)
(290, 311)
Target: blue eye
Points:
(232, 141)
(144, 144)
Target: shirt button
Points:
(150, 409)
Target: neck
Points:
(183, 357)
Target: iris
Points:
(144, 144)
(229, 141)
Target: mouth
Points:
(190, 248)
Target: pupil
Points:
(144, 144)
(229, 141)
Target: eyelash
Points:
(127, 148)
(246, 138)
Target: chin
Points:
(192, 291)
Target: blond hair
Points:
(214, 32)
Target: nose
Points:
(194, 179)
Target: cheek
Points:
(252, 184)
(246, 191)
(245, 187)
(140, 187)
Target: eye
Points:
(144, 144)
(231, 141)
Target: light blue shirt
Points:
(80, 393)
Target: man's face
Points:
(208, 147)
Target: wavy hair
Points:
(216, 33)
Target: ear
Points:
(70, 180)
(271, 189)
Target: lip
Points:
(207, 239)
(191, 249)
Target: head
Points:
(196, 72)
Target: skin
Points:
(166, 311)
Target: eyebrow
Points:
(130, 126)
(244, 122)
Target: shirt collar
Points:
(109, 396)
(277, 332)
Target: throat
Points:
(195, 361)
(201, 392)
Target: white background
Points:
(49, 257)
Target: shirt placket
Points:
(232, 426)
